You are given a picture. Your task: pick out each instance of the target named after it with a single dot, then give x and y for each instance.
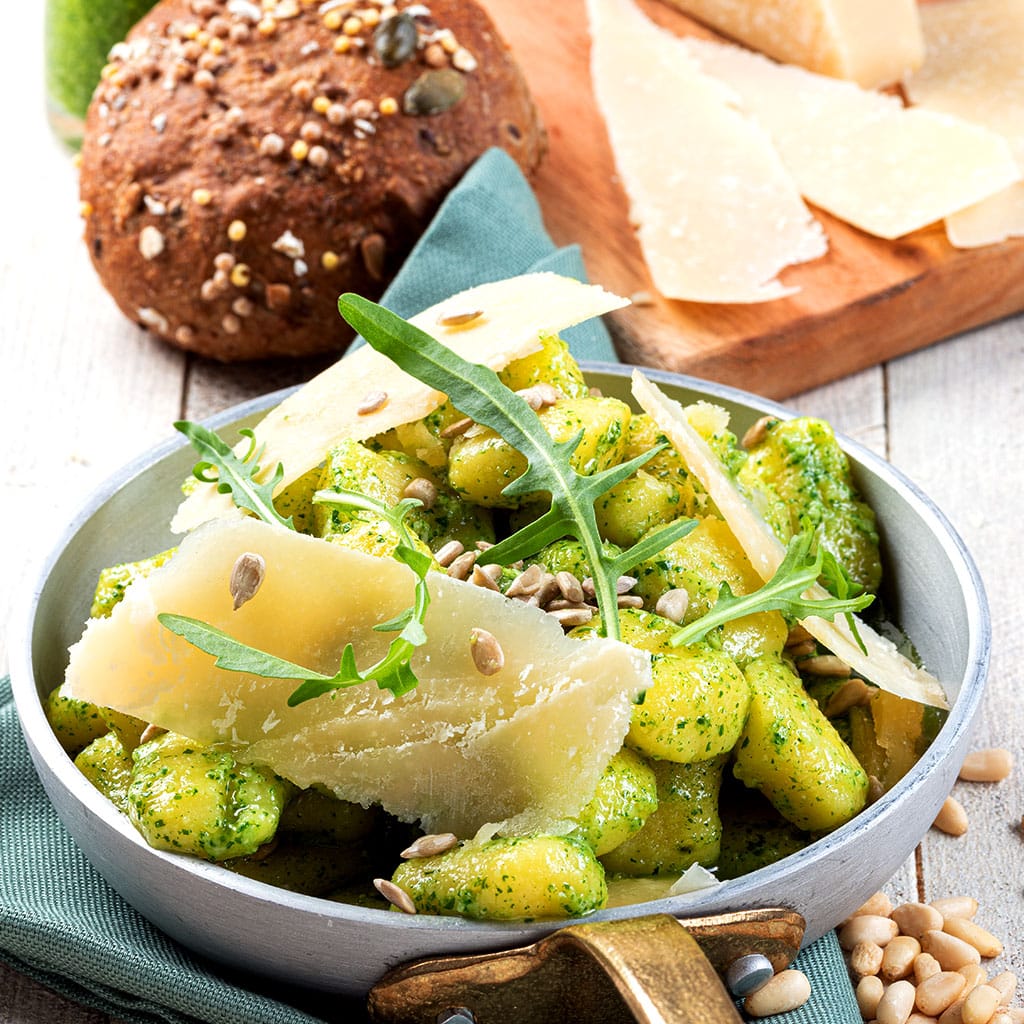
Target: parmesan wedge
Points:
(883, 664)
(862, 155)
(297, 434)
(521, 750)
(717, 214)
(975, 70)
(871, 42)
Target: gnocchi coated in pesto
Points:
(730, 760)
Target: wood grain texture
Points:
(955, 423)
(865, 301)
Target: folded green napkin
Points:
(63, 925)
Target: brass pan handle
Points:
(651, 970)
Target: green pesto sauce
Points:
(79, 35)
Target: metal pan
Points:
(933, 590)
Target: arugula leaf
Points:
(477, 392)
(392, 672)
(784, 592)
(235, 476)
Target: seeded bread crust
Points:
(243, 166)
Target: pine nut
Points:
(896, 1004)
(956, 906)
(983, 941)
(785, 992)
(488, 656)
(980, 1004)
(395, 895)
(447, 553)
(430, 846)
(917, 918)
(925, 967)
(990, 765)
(954, 1015)
(974, 975)
(869, 992)
(951, 952)
(939, 992)
(1006, 985)
(877, 905)
(952, 818)
(922, 1018)
(1001, 1016)
(423, 490)
(868, 928)
(898, 958)
(866, 958)
(672, 605)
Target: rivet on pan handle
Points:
(653, 970)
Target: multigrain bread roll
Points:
(245, 163)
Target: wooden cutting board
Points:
(866, 301)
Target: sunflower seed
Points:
(488, 656)
(372, 402)
(246, 577)
(430, 846)
(395, 895)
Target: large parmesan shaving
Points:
(862, 155)
(871, 42)
(717, 214)
(975, 70)
(883, 664)
(298, 433)
(522, 749)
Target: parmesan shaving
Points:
(975, 70)
(862, 155)
(883, 664)
(297, 434)
(520, 751)
(718, 215)
(872, 42)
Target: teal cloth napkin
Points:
(61, 924)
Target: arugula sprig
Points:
(233, 475)
(784, 592)
(477, 392)
(392, 672)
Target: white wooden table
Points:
(84, 390)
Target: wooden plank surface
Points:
(84, 390)
(865, 301)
